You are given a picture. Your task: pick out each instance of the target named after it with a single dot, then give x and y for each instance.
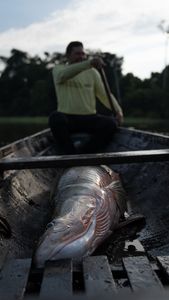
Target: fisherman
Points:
(77, 84)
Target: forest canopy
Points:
(26, 86)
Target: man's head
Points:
(75, 52)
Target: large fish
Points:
(89, 202)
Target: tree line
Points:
(26, 86)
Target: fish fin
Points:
(134, 218)
(121, 196)
(107, 169)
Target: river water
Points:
(12, 132)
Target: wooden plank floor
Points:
(98, 277)
(140, 273)
(91, 278)
(57, 277)
(14, 276)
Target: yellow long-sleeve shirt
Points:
(77, 86)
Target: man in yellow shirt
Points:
(77, 85)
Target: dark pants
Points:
(100, 127)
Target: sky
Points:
(127, 28)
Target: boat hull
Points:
(25, 194)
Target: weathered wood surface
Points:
(124, 157)
(57, 280)
(3, 255)
(163, 262)
(140, 273)
(100, 280)
(34, 143)
(14, 276)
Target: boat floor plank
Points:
(98, 278)
(14, 276)
(163, 262)
(57, 280)
(140, 273)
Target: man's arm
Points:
(65, 72)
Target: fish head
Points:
(66, 237)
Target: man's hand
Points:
(97, 62)
(119, 118)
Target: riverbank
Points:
(14, 128)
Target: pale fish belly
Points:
(89, 202)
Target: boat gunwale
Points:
(46, 133)
(18, 144)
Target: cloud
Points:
(127, 28)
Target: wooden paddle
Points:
(107, 89)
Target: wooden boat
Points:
(28, 168)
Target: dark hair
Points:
(71, 45)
